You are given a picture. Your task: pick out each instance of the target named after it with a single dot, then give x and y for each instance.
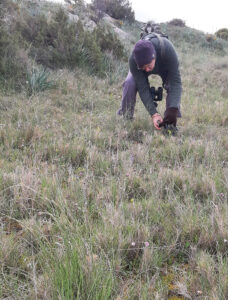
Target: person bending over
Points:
(153, 56)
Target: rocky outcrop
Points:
(113, 23)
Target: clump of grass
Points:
(37, 81)
(131, 256)
(79, 277)
(135, 188)
(24, 137)
(73, 154)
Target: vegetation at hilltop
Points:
(118, 9)
(96, 207)
(222, 33)
(56, 43)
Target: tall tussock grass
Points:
(82, 277)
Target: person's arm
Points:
(143, 87)
(173, 79)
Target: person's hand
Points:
(170, 117)
(157, 119)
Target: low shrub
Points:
(177, 22)
(222, 33)
(118, 9)
(12, 65)
(210, 38)
(213, 45)
(108, 41)
(55, 43)
(59, 44)
(194, 38)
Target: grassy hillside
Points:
(96, 207)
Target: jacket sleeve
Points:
(143, 86)
(173, 78)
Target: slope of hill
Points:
(96, 207)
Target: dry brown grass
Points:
(142, 213)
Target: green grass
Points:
(96, 207)
(38, 81)
(73, 280)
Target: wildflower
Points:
(133, 244)
(146, 244)
(199, 292)
(225, 241)
(132, 200)
(221, 195)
